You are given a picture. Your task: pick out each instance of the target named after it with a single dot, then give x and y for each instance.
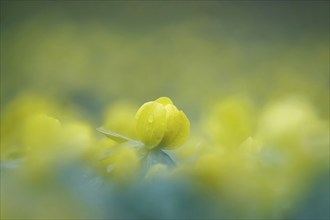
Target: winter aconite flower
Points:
(160, 124)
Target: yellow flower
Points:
(118, 117)
(231, 121)
(122, 164)
(160, 124)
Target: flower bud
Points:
(160, 123)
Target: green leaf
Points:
(118, 137)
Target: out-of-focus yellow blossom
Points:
(296, 146)
(287, 121)
(209, 169)
(251, 145)
(22, 113)
(190, 151)
(118, 117)
(77, 137)
(31, 131)
(122, 164)
(230, 122)
(41, 139)
(160, 123)
(100, 152)
(293, 126)
(40, 131)
(118, 162)
(214, 167)
(233, 175)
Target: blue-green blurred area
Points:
(252, 77)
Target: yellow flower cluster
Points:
(30, 129)
(237, 153)
(270, 158)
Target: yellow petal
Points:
(164, 101)
(151, 123)
(177, 130)
(41, 132)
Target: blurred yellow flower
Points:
(287, 121)
(160, 123)
(122, 164)
(231, 121)
(77, 138)
(118, 117)
(41, 132)
(26, 122)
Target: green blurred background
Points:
(91, 53)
